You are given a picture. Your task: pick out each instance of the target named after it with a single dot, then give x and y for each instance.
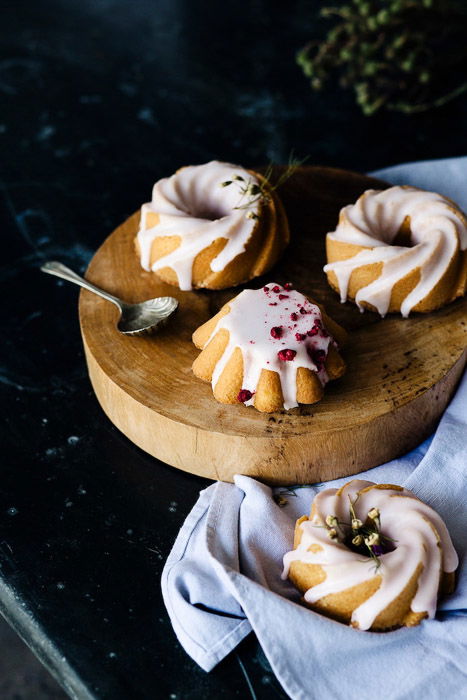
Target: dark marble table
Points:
(99, 98)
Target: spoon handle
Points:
(59, 270)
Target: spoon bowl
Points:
(146, 316)
(135, 319)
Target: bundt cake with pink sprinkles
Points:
(271, 348)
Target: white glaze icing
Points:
(438, 231)
(419, 534)
(193, 205)
(252, 315)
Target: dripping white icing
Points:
(438, 231)
(193, 205)
(420, 536)
(253, 313)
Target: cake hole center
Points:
(404, 235)
(383, 546)
(209, 209)
(208, 213)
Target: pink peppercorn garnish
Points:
(276, 289)
(300, 336)
(286, 355)
(288, 285)
(283, 296)
(318, 357)
(276, 331)
(244, 395)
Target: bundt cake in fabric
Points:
(214, 226)
(372, 555)
(401, 249)
(271, 348)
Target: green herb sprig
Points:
(254, 192)
(395, 54)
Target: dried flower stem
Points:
(260, 191)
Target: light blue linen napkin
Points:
(222, 578)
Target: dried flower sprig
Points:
(400, 55)
(252, 192)
(279, 497)
(364, 537)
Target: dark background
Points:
(98, 99)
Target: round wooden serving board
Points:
(400, 373)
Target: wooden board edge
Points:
(293, 461)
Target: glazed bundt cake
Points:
(372, 555)
(271, 348)
(213, 226)
(401, 249)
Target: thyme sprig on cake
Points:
(260, 191)
(364, 537)
(404, 55)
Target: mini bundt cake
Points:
(372, 555)
(213, 226)
(401, 249)
(271, 348)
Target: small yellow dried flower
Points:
(372, 539)
(281, 501)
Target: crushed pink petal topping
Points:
(286, 355)
(288, 286)
(244, 395)
(276, 331)
(265, 289)
(294, 316)
(283, 296)
(300, 336)
(276, 289)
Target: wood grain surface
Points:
(401, 372)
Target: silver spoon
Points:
(135, 319)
